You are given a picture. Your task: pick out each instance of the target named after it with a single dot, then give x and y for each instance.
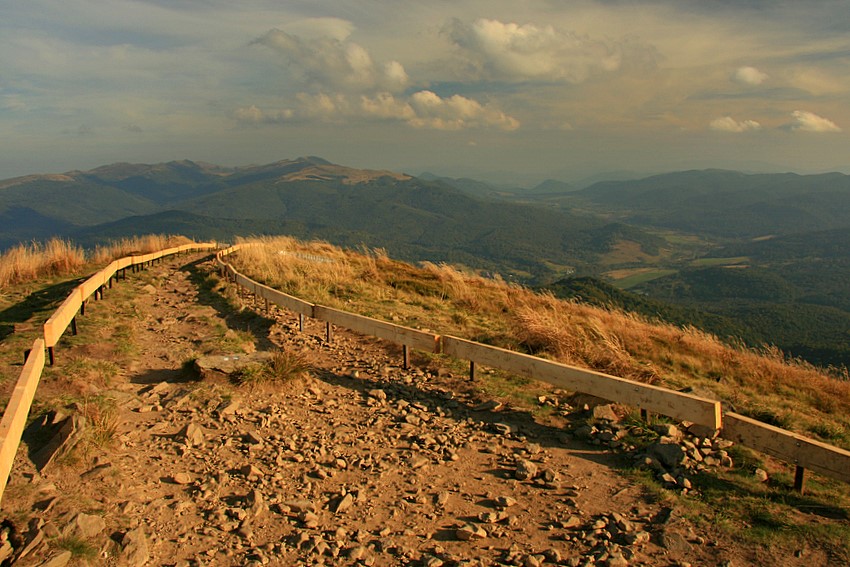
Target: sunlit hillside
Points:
(58, 257)
(446, 300)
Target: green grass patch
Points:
(771, 514)
(80, 549)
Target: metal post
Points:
(301, 322)
(27, 354)
(83, 308)
(268, 309)
(800, 480)
(405, 353)
(328, 332)
(74, 326)
(472, 370)
(50, 355)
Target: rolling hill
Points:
(309, 198)
(723, 203)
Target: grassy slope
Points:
(443, 299)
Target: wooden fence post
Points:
(800, 479)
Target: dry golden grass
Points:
(57, 257)
(446, 300)
(26, 262)
(135, 245)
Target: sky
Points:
(513, 91)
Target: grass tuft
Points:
(79, 548)
(26, 262)
(283, 367)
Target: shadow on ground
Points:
(236, 318)
(45, 299)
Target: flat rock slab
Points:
(214, 366)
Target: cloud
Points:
(385, 106)
(729, 124)
(802, 120)
(749, 76)
(456, 113)
(496, 50)
(330, 63)
(423, 109)
(253, 115)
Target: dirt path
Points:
(360, 463)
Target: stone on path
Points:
(525, 470)
(224, 366)
(469, 532)
(193, 435)
(134, 548)
(59, 560)
(85, 526)
(182, 478)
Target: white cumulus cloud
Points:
(749, 76)
(514, 52)
(805, 121)
(423, 109)
(329, 62)
(456, 113)
(729, 124)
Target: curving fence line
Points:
(804, 452)
(15, 416)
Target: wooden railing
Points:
(804, 452)
(15, 416)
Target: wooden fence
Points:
(15, 416)
(804, 452)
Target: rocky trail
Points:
(358, 462)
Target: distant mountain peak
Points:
(58, 177)
(327, 172)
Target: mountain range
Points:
(308, 197)
(719, 203)
(763, 258)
